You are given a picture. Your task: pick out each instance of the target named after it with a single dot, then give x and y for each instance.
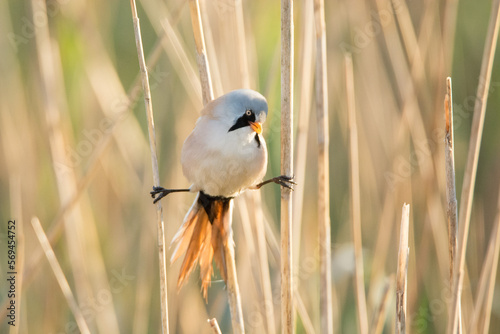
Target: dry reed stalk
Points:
(241, 44)
(201, 53)
(177, 53)
(57, 226)
(156, 175)
(174, 47)
(304, 317)
(450, 175)
(144, 285)
(80, 239)
(451, 196)
(493, 272)
(410, 41)
(64, 181)
(233, 290)
(297, 300)
(302, 132)
(472, 160)
(305, 78)
(93, 276)
(59, 274)
(383, 239)
(379, 314)
(401, 286)
(325, 255)
(207, 92)
(265, 277)
(214, 325)
(483, 284)
(355, 198)
(254, 207)
(253, 257)
(287, 322)
(407, 90)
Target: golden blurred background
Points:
(75, 153)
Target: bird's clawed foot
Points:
(282, 180)
(163, 192)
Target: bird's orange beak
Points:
(256, 126)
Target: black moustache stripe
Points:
(257, 139)
(242, 122)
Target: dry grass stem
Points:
(177, 52)
(81, 241)
(298, 302)
(156, 175)
(401, 286)
(380, 312)
(254, 198)
(241, 40)
(304, 316)
(302, 131)
(451, 196)
(490, 292)
(57, 226)
(472, 160)
(233, 290)
(214, 325)
(201, 53)
(207, 93)
(325, 256)
(265, 278)
(59, 274)
(484, 282)
(287, 322)
(355, 199)
(76, 153)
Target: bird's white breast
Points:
(222, 163)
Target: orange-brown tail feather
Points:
(203, 238)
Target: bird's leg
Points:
(282, 180)
(164, 192)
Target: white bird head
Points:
(238, 109)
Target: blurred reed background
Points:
(75, 152)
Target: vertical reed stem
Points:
(472, 159)
(287, 323)
(154, 162)
(379, 314)
(402, 269)
(325, 256)
(59, 274)
(201, 52)
(355, 199)
(451, 195)
(493, 273)
(233, 290)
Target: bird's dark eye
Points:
(248, 112)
